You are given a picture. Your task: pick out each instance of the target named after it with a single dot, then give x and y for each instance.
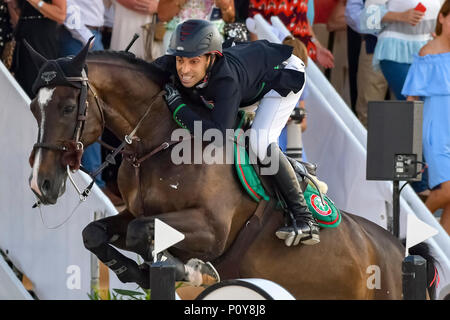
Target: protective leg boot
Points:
(303, 227)
(195, 271)
(199, 273)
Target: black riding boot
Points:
(304, 227)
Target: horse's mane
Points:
(154, 73)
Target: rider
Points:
(226, 79)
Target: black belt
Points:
(31, 17)
(99, 29)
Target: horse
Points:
(203, 201)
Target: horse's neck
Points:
(127, 95)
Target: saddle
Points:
(319, 204)
(248, 172)
(259, 188)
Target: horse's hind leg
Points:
(100, 235)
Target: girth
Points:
(229, 264)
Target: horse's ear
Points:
(79, 60)
(37, 58)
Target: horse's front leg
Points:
(199, 237)
(100, 236)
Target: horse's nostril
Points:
(45, 186)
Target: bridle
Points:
(83, 105)
(75, 144)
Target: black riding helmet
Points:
(194, 38)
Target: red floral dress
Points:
(293, 15)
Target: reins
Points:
(128, 140)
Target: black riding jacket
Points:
(242, 76)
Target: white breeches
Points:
(273, 113)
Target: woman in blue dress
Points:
(429, 80)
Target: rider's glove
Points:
(172, 97)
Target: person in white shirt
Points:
(135, 16)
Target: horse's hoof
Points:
(210, 275)
(199, 273)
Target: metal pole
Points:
(396, 207)
(414, 278)
(294, 144)
(95, 270)
(162, 281)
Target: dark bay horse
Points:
(357, 260)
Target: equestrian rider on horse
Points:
(225, 79)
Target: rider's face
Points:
(191, 70)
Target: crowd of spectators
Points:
(386, 45)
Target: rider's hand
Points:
(413, 17)
(141, 6)
(172, 97)
(147, 6)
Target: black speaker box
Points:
(394, 140)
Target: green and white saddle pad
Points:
(327, 214)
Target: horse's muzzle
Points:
(45, 191)
(47, 180)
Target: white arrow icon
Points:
(417, 231)
(165, 237)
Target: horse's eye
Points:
(68, 109)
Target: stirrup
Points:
(292, 235)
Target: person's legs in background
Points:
(68, 45)
(91, 160)
(395, 74)
(445, 219)
(353, 52)
(71, 46)
(440, 199)
(372, 86)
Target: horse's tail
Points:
(423, 249)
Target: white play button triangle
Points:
(417, 231)
(165, 237)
